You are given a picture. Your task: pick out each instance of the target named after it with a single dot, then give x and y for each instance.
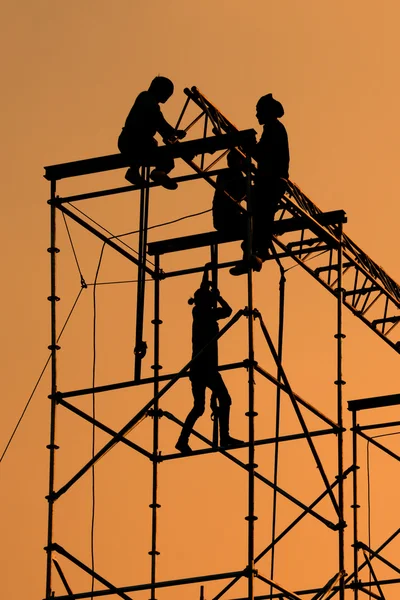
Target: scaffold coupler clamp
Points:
(140, 349)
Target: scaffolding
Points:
(301, 232)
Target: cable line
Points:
(38, 381)
(83, 282)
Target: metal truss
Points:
(303, 234)
(370, 293)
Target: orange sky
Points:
(70, 74)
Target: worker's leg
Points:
(199, 398)
(218, 387)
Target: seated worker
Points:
(227, 217)
(272, 156)
(204, 369)
(137, 141)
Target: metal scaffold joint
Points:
(247, 363)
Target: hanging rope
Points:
(39, 379)
(369, 481)
(83, 283)
(119, 236)
(93, 473)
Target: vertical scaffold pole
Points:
(282, 286)
(140, 345)
(214, 401)
(156, 367)
(53, 250)
(251, 414)
(340, 383)
(355, 505)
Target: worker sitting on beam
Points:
(137, 141)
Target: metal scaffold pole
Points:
(355, 505)
(156, 420)
(282, 287)
(140, 344)
(52, 447)
(251, 414)
(340, 383)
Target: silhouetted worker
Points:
(137, 140)
(204, 369)
(272, 156)
(227, 216)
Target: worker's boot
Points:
(183, 442)
(242, 267)
(134, 177)
(163, 179)
(226, 440)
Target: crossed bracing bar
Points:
(148, 410)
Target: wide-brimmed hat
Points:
(269, 103)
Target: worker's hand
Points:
(180, 134)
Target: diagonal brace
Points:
(292, 397)
(142, 413)
(60, 550)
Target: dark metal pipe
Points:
(140, 344)
(103, 237)
(283, 534)
(53, 250)
(156, 421)
(251, 517)
(340, 383)
(282, 286)
(131, 383)
(112, 588)
(355, 505)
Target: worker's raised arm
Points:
(224, 310)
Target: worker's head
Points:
(162, 88)
(235, 160)
(204, 297)
(268, 108)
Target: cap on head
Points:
(203, 295)
(162, 86)
(268, 104)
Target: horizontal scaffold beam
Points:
(375, 402)
(210, 238)
(185, 150)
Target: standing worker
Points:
(204, 368)
(272, 156)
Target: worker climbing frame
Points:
(304, 235)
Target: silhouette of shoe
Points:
(243, 266)
(134, 177)
(183, 447)
(231, 442)
(256, 263)
(264, 254)
(239, 269)
(162, 178)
